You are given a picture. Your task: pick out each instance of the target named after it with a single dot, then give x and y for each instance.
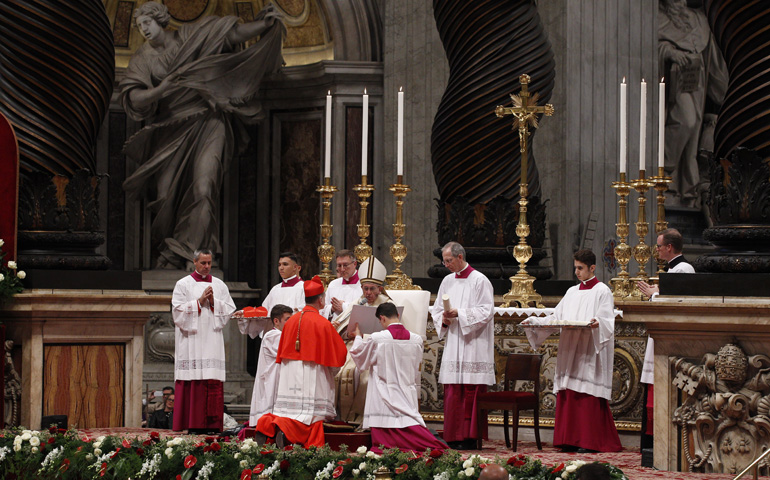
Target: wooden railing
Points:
(754, 466)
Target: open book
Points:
(367, 321)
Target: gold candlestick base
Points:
(364, 191)
(398, 280)
(641, 252)
(326, 249)
(621, 285)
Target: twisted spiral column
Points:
(488, 44)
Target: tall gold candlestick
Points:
(398, 280)
(641, 252)
(621, 285)
(660, 183)
(364, 191)
(325, 249)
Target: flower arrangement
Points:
(10, 277)
(62, 454)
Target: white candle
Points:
(400, 139)
(328, 146)
(661, 123)
(642, 123)
(365, 134)
(623, 125)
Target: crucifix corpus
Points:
(524, 110)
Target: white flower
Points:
(564, 475)
(11, 264)
(1, 242)
(34, 441)
(17, 448)
(355, 470)
(371, 454)
(362, 466)
(89, 456)
(169, 452)
(469, 471)
(21, 275)
(35, 449)
(571, 468)
(26, 436)
(361, 450)
(244, 463)
(97, 451)
(237, 455)
(461, 475)
(468, 463)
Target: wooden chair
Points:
(519, 366)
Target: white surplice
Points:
(585, 355)
(293, 297)
(392, 398)
(349, 293)
(266, 379)
(469, 341)
(305, 392)
(199, 349)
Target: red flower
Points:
(415, 457)
(284, 465)
(347, 461)
(246, 474)
(178, 477)
(266, 452)
(517, 461)
(155, 435)
(190, 461)
(209, 439)
(80, 448)
(436, 453)
(215, 447)
(65, 464)
(42, 448)
(337, 472)
(288, 448)
(139, 452)
(200, 444)
(482, 466)
(559, 468)
(116, 453)
(103, 470)
(62, 430)
(52, 440)
(401, 469)
(126, 443)
(429, 462)
(52, 430)
(258, 469)
(147, 443)
(206, 449)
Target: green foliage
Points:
(60, 454)
(10, 278)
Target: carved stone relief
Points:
(725, 411)
(159, 334)
(12, 389)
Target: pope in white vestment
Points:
(467, 327)
(583, 377)
(393, 357)
(201, 307)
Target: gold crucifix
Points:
(525, 110)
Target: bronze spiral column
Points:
(739, 196)
(476, 158)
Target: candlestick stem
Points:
(326, 249)
(641, 252)
(660, 183)
(398, 280)
(621, 285)
(364, 191)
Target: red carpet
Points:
(629, 460)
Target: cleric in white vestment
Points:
(201, 307)
(583, 378)
(289, 292)
(393, 358)
(345, 289)
(467, 328)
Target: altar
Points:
(712, 391)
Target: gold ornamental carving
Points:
(399, 280)
(364, 190)
(326, 249)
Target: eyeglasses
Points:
(446, 262)
(344, 265)
(660, 246)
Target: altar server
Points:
(268, 370)
(583, 378)
(344, 289)
(467, 327)
(310, 352)
(201, 307)
(393, 356)
(289, 292)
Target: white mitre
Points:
(372, 271)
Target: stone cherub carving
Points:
(192, 87)
(726, 409)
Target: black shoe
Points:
(569, 449)
(470, 444)
(260, 438)
(455, 445)
(280, 438)
(586, 450)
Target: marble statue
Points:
(193, 88)
(696, 81)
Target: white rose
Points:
(355, 470)
(361, 450)
(362, 466)
(17, 448)
(469, 471)
(571, 468)
(2, 277)
(21, 275)
(97, 451)
(237, 455)
(564, 475)
(11, 264)
(467, 463)
(34, 441)
(17, 440)
(370, 454)
(169, 452)
(35, 449)
(1, 242)
(26, 436)
(89, 457)
(244, 463)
